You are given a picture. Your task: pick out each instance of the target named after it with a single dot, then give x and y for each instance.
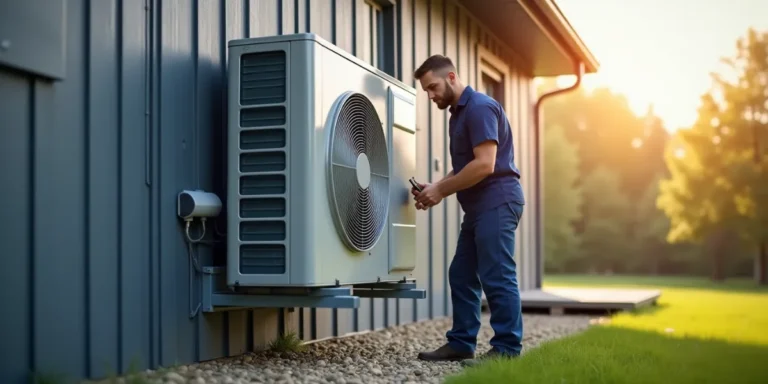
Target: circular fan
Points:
(357, 171)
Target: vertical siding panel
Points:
(345, 321)
(372, 32)
(61, 345)
(288, 15)
(263, 18)
(17, 241)
(320, 18)
(521, 153)
(236, 341)
(164, 267)
(518, 139)
(453, 45)
(525, 153)
(422, 272)
(363, 313)
(390, 312)
(207, 146)
(213, 343)
(291, 322)
(362, 30)
(177, 99)
(138, 310)
(265, 327)
(521, 147)
(407, 41)
(377, 313)
(406, 46)
(527, 180)
(307, 323)
(324, 322)
(532, 253)
(437, 166)
(42, 110)
(103, 170)
(473, 41)
(345, 37)
(300, 15)
(463, 58)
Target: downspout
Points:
(539, 170)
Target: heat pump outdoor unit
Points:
(321, 147)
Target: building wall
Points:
(96, 276)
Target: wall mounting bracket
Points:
(216, 296)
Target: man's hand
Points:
(416, 193)
(429, 196)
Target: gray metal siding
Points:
(96, 273)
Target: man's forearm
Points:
(470, 175)
(446, 177)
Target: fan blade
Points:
(359, 213)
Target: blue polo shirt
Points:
(478, 117)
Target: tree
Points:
(650, 230)
(697, 197)
(647, 157)
(608, 135)
(562, 200)
(604, 244)
(718, 187)
(606, 131)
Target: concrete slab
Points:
(560, 299)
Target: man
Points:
(486, 182)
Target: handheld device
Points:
(415, 185)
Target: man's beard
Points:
(445, 101)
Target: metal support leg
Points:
(216, 296)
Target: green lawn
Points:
(700, 332)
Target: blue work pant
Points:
(485, 255)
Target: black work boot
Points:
(445, 353)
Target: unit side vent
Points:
(263, 78)
(263, 163)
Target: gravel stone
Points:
(383, 356)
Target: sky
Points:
(661, 52)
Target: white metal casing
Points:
(280, 228)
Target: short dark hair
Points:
(434, 63)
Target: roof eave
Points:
(556, 26)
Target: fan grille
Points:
(358, 171)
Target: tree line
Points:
(623, 195)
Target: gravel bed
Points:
(384, 356)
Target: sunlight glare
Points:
(668, 64)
